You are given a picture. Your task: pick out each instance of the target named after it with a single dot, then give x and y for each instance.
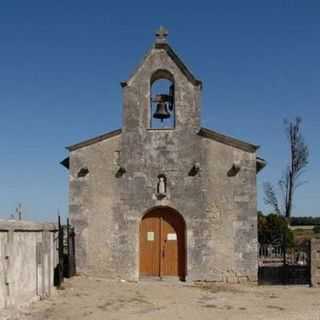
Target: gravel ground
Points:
(95, 299)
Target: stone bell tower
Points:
(159, 138)
(182, 96)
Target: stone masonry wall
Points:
(230, 214)
(92, 198)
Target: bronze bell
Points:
(162, 108)
(162, 111)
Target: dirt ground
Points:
(95, 299)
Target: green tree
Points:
(316, 229)
(273, 229)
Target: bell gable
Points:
(162, 93)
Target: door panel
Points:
(150, 246)
(162, 244)
(169, 250)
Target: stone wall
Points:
(230, 213)
(315, 262)
(28, 257)
(92, 198)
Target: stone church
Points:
(162, 196)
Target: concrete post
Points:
(315, 263)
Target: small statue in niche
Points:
(161, 186)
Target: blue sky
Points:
(61, 63)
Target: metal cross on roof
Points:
(161, 34)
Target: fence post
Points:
(61, 267)
(69, 272)
(315, 263)
(73, 252)
(284, 270)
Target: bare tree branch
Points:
(270, 197)
(290, 180)
(299, 155)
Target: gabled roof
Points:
(240, 144)
(171, 53)
(204, 132)
(94, 140)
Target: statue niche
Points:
(162, 186)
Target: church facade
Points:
(162, 196)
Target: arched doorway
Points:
(162, 244)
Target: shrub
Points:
(273, 229)
(316, 229)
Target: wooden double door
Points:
(162, 244)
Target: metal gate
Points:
(66, 267)
(281, 265)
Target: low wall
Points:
(28, 257)
(315, 262)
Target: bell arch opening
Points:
(162, 102)
(162, 247)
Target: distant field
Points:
(301, 227)
(305, 234)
